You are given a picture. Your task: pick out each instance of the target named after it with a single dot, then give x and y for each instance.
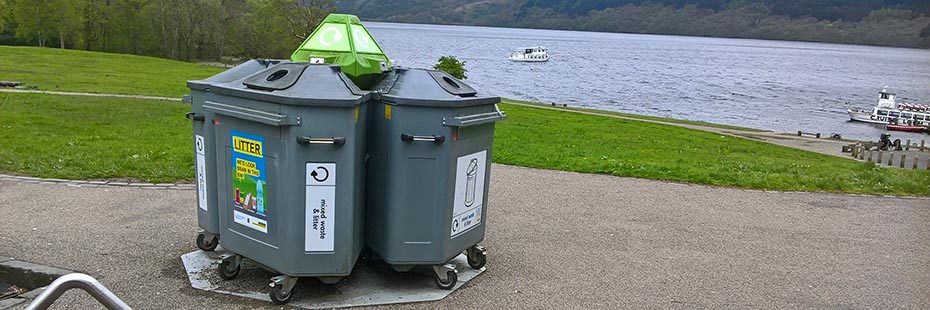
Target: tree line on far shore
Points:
(218, 30)
(177, 29)
(903, 23)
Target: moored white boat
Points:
(889, 111)
(530, 54)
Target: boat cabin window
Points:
(882, 112)
(907, 115)
(919, 117)
(884, 96)
(894, 114)
(529, 51)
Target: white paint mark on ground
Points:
(369, 285)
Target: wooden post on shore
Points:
(870, 155)
(907, 147)
(891, 159)
(879, 161)
(917, 159)
(921, 145)
(855, 151)
(901, 164)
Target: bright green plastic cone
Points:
(341, 39)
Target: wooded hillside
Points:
(876, 22)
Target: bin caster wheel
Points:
(279, 296)
(451, 279)
(477, 257)
(207, 245)
(226, 271)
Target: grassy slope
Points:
(95, 138)
(637, 116)
(99, 138)
(595, 144)
(77, 137)
(70, 70)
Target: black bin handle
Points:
(337, 141)
(195, 116)
(411, 138)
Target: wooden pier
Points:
(909, 156)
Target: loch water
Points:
(783, 86)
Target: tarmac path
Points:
(555, 239)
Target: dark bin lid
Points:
(422, 87)
(296, 84)
(234, 73)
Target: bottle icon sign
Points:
(260, 194)
(471, 174)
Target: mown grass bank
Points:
(628, 115)
(79, 71)
(148, 140)
(75, 137)
(549, 139)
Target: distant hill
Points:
(902, 23)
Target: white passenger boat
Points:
(889, 111)
(530, 54)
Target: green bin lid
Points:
(342, 40)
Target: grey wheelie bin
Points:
(207, 214)
(290, 155)
(430, 139)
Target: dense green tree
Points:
(180, 29)
(453, 66)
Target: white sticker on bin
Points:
(199, 148)
(320, 207)
(469, 192)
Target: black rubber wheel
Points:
(226, 272)
(453, 279)
(206, 246)
(478, 261)
(278, 297)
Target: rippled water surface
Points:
(776, 85)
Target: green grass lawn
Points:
(148, 140)
(548, 139)
(80, 71)
(76, 137)
(636, 116)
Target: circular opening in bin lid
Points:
(451, 82)
(277, 75)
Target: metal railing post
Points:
(83, 282)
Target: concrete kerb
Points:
(64, 93)
(99, 183)
(27, 275)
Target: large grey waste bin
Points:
(207, 214)
(430, 139)
(290, 154)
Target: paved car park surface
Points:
(555, 240)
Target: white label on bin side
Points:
(320, 207)
(250, 221)
(201, 172)
(469, 192)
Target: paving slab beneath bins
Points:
(369, 284)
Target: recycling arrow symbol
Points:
(317, 176)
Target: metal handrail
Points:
(81, 281)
